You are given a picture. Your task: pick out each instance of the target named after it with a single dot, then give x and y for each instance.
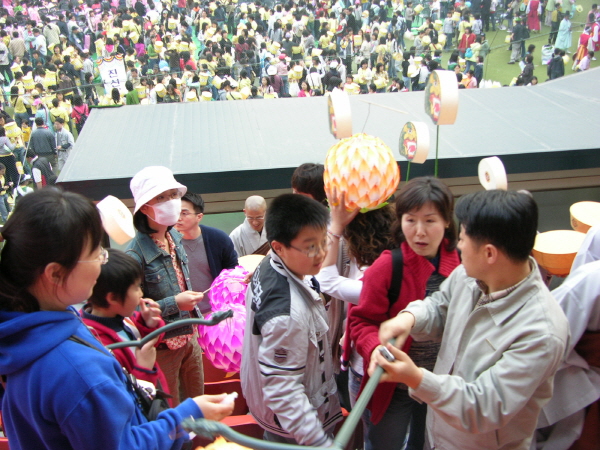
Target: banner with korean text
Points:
(112, 71)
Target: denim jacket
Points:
(160, 279)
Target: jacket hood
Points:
(25, 337)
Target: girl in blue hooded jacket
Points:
(63, 389)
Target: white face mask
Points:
(167, 213)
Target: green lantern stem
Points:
(437, 142)
(408, 171)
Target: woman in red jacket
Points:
(465, 41)
(426, 233)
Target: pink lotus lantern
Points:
(228, 288)
(222, 343)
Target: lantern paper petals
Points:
(364, 168)
(223, 342)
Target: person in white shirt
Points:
(577, 382)
(64, 142)
(39, 43)
(251, 235)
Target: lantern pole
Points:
(437, 141)
(408, 172)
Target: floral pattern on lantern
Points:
(222, 343)
(363, 167)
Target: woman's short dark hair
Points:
(506, 219)
(117, 275)
(288, 214)
(48, 225)
(308, 179)
(418, 192)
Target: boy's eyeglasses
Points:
(314, 249)
(102, 258)
(255, 219)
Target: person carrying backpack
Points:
(80, 113)
(426, 235)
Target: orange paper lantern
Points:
(363, 167)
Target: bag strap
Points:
(84, 342)
(397, 275)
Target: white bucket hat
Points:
(152, 181)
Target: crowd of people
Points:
(190, 51)
(478, 335)
(200, 51)
(475, 349)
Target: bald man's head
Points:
(255, 209)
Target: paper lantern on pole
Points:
(441, 97)
(116, 219)
(222, 343)
(364, 168)
(584, 215)
(228, 288)
(492, 174)
(12, 130)
(340, 117)
(414, 142)
(556, 250)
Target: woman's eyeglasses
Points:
(102, 257)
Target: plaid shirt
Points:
(493, 296)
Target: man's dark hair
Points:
(116, 276)
(308, 179)
(288, 214)
(506, 219)
(39, 121)
(196, 200)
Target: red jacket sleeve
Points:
(141, 373)
(373, 306)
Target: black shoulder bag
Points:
(397, 275)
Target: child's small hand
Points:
(146, 356)
(150, 312)
(212, 408)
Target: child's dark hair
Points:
(288, 214)
(46, 226)
(117, 275)
(506, 219)
(308, 179)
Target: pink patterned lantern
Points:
(223, 342)
(228, 288)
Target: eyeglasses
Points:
(102, 257)
(166, 197)
(255, 219)
(314, 249)
(184, 214)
